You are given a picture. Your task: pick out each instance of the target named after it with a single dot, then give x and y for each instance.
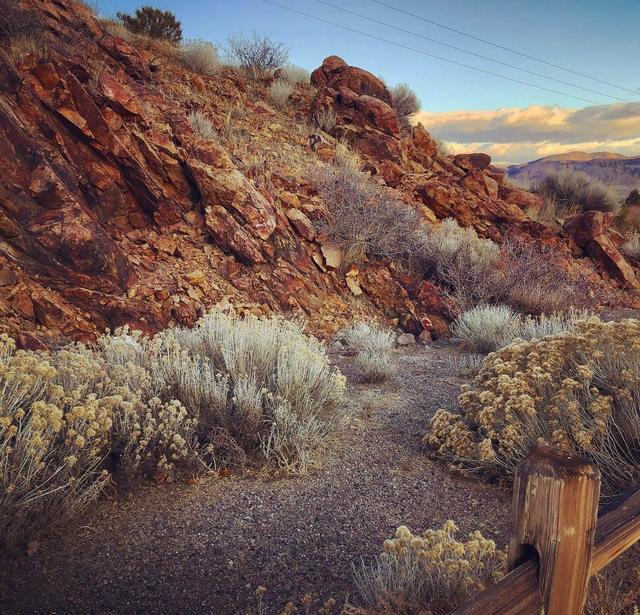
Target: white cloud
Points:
(513, 135)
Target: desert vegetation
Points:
(373, 345)
(279, 92)
(405, 103)
(568, 192)
(228, 391)
(433, 572)
(154, 23)
(257, 54)
(200, 57)
(577, 391)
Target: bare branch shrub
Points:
(201, 125)
(570, 189)
(279, 93)
(535, 281)
(405, 103)
(200, 57)
(429, 573)
(363, 219)
(257, 54)
(465, 263)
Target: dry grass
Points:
(631, 246)
(279, 93)
(324, 119)
(200, 57)
(346, 158)
(550, 213)
(202, 125)
(295, 74)
(429, 573)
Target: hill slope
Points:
(622, 172)
(114, 211)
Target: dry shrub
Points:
(363, 218)
(325, 119)
(467, 364)
(569, 190)
(631, 246)
(367, 336)
(21, 30)
(200, 57)
(279, 93)
(141, 406)
(61, 415)
(257, 54)
(275, 394)
(373, 346)
(405, 103)
(486, 328)
(578, 391)
(550, 213)
(535, 281)
(346, 158)
(295, 74)
(464, 263)
(201, 125)
(429, 573)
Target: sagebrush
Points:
(571, 190)
(226, 391)
(578, 391)
(429, 573)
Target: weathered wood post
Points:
(555, 511)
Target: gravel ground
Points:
(204, 548)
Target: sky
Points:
(468, 109)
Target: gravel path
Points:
(205, 548)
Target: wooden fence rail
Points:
(557, 540)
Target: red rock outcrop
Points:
(114, 211)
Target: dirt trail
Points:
(205, 548)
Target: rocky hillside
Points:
(621, 172)
(114, 211)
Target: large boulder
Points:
(362, 105)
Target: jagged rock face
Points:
(591, 232)
(113, 211)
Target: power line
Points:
(426, 53)
(472, 53)
(498, 46)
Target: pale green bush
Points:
(200, 57)
(279, 93)
(295, 74)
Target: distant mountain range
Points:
(620, 172)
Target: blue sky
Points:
(596, 37)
